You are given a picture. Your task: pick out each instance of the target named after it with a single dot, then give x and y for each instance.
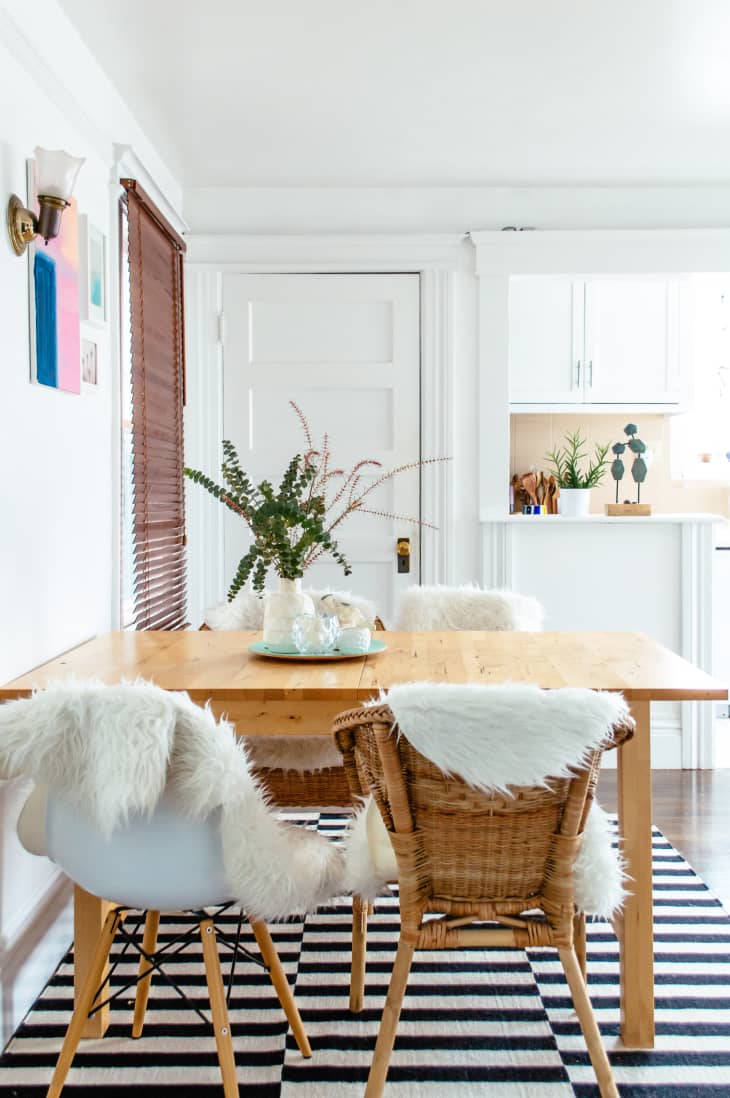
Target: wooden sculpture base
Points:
(628, 508)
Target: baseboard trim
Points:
(29, 957)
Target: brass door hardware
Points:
(404, 554)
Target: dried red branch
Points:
(234, 507)
(305, 424)
(398, 518)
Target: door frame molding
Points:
(434, 258)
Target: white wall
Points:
(57, 450)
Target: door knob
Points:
(403, 551)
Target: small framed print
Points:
(92, 256)
(89, 364)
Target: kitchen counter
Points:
(620, 520)
(649, 573)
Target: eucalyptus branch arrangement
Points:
(292, 526)
(566, 463)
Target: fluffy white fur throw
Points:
(494, 737)
(294, 752)
(246, 611)
(440, 607)
(111, 750)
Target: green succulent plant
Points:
(566, 463)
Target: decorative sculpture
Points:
(639, 472)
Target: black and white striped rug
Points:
(475, 1023)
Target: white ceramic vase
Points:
(280, 609)
(575, 502)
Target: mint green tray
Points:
(261, 649)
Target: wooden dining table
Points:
(266, 696)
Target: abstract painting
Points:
(55, 332)
(92, 254)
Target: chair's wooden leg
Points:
(84, 1001)
(579, 942)
(219, 1009)
(588, 1024)
(360, 909)
(281, 985)
(89, 915)
(149, 944)
(389, 1020)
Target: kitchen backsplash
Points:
(531, 436)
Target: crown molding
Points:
(326, 251)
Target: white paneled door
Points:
(346, 349)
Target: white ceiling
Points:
(423, 92)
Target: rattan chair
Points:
(439, 607)
(293, 787)
(473, 857)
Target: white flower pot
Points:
(575, 502)
(280, 609)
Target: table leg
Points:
(636, 926)
(89, 915)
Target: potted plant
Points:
(574, 479)
(292, 526)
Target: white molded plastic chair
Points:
(164, 862)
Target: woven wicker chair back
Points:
(458, 846)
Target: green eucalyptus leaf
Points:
(631, 429)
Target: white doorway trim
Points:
(433, 257)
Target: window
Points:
(153, 496)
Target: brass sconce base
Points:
(21, 225)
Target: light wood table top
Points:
(218, 665)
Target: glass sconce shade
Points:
(56, 172)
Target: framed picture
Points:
(53, 273)
(89, 364)
(92, 249)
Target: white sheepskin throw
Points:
(294, 752)
(494, 737)
(247, 609)
(425, 608)
(112, 750)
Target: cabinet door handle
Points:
(577, 383)
(590, 373)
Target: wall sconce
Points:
(56, 179)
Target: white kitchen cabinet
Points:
(597, 341)
(546, 340)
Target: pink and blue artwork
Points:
(55, 330)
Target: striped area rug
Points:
(475, 1023)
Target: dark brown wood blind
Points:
(155, 277)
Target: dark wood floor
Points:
(692, 808)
